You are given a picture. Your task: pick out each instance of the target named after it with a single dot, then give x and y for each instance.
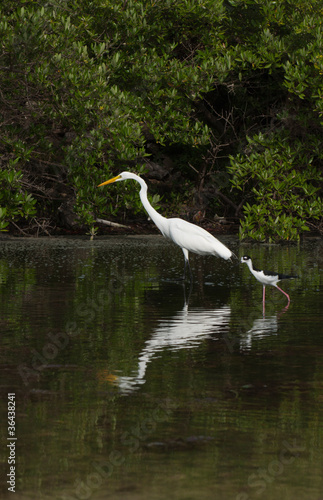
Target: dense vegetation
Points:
(218, 102)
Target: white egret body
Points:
(189, 237)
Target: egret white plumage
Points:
(188, 236)
(266, 277)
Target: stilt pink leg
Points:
(263, 299)
(283, 311)
(284, 293)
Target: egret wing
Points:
(196, 239)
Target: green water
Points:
(129, 385)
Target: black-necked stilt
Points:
(266, 277)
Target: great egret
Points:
(266, 278)
(189, 237)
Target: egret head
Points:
(121, 177)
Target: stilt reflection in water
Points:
(261, 328)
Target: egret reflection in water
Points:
(186, 330)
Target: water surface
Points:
(131, 385)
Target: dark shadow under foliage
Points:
(218, 104)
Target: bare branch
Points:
(113, 224)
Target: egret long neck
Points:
(157, 218)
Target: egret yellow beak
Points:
(110, 181)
